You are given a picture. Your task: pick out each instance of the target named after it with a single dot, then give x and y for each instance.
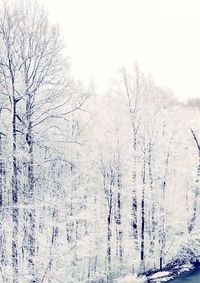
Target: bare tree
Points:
(132, 86)
(196, 189)
(35, 80)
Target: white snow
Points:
(160, 274)
(131, 279)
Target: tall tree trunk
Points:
(163, 212)
(196, 201)
(108, 180)
(132, 99)
(197, 188)
(1, 172)
(31, 211)
(134, 197)
(142, 255)
(109, 231)
(152, 210)
(118, 221)
(15, 210)
(2, 216)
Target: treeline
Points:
(91, 186)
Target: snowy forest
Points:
(93, 187)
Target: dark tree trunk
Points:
(118, 221)
(2, 216)
(109, 232)
(30, 210)
(1, 172)
(142, 256)
(162, 213)
(15, 212)
(197, 188)
(134, 197)
(152, 230)
(108, 179)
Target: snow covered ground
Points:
(161, 276)
(131, 279)
(165, 276)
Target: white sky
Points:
(163, 36)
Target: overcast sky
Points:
(163, 36)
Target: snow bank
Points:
(131, 279)
(160, 274)
(187, 267)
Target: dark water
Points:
(193, 277)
